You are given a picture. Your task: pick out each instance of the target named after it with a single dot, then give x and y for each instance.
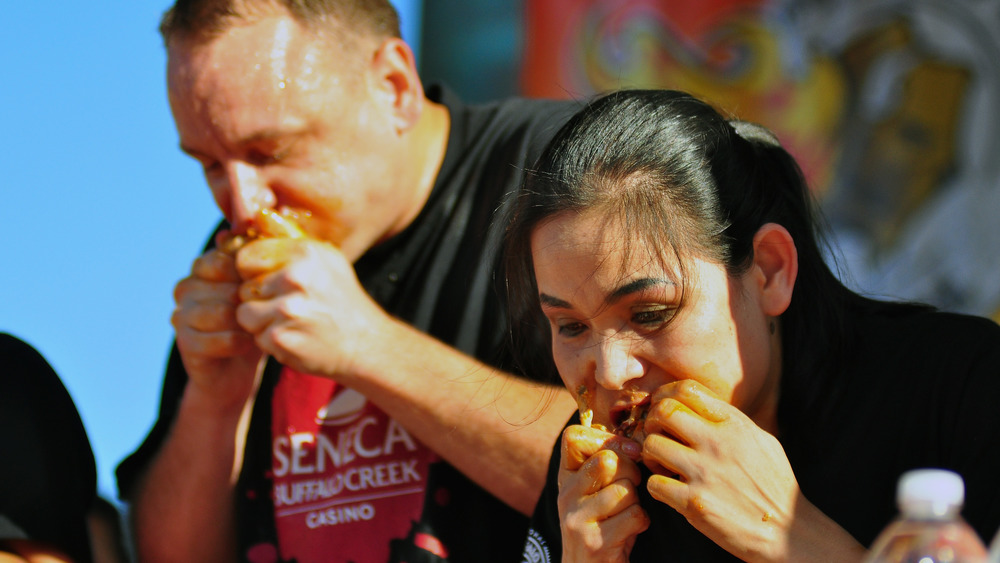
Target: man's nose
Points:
(616, 361)
(248, 192)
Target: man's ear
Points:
(776, 266)
(397, 83)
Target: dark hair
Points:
(686, 181)
(206, 18)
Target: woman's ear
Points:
(776, 265)
(397, 82)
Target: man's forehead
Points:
(262, 44)
(270, 57)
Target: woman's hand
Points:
(732, 480)
(599, 510)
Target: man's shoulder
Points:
(517, 112)
(513, 113)
(442, 94)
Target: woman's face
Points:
(620, 330)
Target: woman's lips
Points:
(629, 416)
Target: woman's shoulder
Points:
(931, 327)
(921, 345)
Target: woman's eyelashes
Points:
(570, 329)
(644, 318)
(653, 316)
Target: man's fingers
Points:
(255, 289)
(207, 316)
(215, 266)
(218, 345)
(266, 255)
(274, 224)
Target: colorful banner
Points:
(891, 108)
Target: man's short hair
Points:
(205, 19)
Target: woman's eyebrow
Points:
(635, 286)
(549, 301)
(615, 296)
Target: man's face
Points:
(280, 119)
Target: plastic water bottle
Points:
(995, 549)
(929, 528)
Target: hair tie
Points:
(754, 133)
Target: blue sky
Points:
(101, 212)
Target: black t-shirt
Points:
(48, 480)
(920, 391)
(439, 276)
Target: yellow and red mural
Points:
(891, 107)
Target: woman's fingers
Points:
(604, 468)
(676, 494)
(696, 397)
(664, 455)
(579, 443)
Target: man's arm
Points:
(496, 428)
(302, 302)
(183, 507)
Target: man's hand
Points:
(599, 508)
(220, 357)
(303, 304)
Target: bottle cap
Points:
(930, 491)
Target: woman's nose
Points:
(616, 361)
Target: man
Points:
(381, 329)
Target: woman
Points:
(670, 258)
